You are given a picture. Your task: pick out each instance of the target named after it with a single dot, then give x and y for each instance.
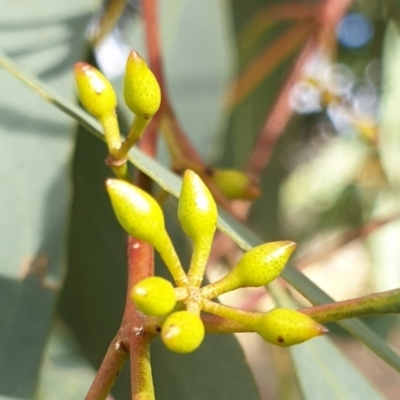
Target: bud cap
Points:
(154, 296)
(182, 332)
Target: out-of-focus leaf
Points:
(65, 373)
(389, 140)
(383, 243)
(315, 186)
(35, 148)
(215, 371)
(322, 370)
(393, 11)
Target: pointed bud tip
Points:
(290, 245)
(111, 182)
(80, 64)
(82, 67)
(322, 330)
(142, 92)
(94, 91)
(135, 56)
(197, 210)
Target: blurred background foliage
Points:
(329, 179)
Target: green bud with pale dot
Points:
(94, 90)
(154, 296)
(182, 332)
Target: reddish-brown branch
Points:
(148, 143)
(133, 326)
(279, 116)
(330, 12)
(271, 15)
(109, 18)
(327, 15)
(268, 61)
(152, 35)
(109, 369)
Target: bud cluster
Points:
(180, 308)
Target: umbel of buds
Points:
(141, 94)
(179, 310)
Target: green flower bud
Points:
(137, 212)
(154, 296)
(234, 184)
(285, 327)
(141, 90)
(94, 90)
(141, 217)
(262, 264)
(197, 211)
(182, 332)
(257, 267)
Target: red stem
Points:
(328, 14)
(150, 13)
(279, 116)
(152, 34)
(133, 329)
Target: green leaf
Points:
(217, 370)
(36, 142)
(324, 371)
(65, 373)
